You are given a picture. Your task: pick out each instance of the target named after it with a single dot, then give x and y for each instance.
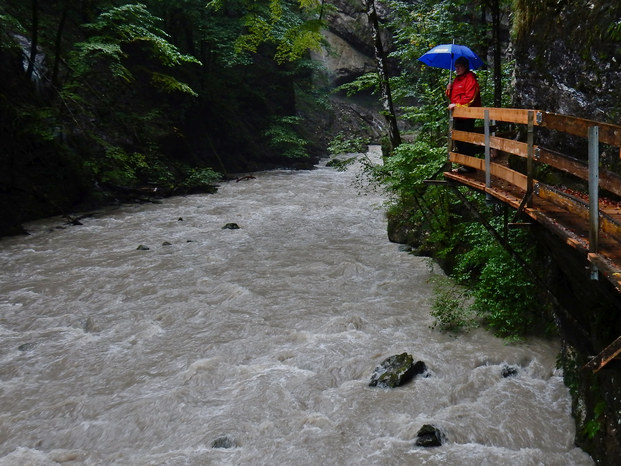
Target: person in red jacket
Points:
(464, 92)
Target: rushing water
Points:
(267, 335)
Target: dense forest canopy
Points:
(102, 96)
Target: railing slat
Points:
(608, 181)
(499, 171)
(508, 115)
(608, 133)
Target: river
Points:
(265, 336)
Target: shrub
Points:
(451, 306)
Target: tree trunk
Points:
(380, 56)
(58, 46)
(34, 39)
(497, 64)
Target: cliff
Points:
(568, 61)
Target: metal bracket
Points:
(536, 188)
(539, 118)
(594, 275)
(537, 154)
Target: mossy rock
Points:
(395, 371)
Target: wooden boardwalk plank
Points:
(607, 355)
(569, 227)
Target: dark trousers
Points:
(464, 124)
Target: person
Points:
(464, 92)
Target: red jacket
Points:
(465, 91)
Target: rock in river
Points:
(429, 436)
(396, 371)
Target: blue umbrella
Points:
(444, 56)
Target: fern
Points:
(168, 84)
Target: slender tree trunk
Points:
(497, 64)
(34, 39)
(57, 45)
(380, 56)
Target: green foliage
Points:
(133, 22)
(614, 31)
(485, 79)
(594, 425)
(504, 294)
(431, 115)
(118, 27)
(361, 83)
(410, 165)
(292, 27)
(341, 144)
(9, 23)
(117, 166)
(450, 307)
(168, 84)
(282, 136)
(200, 179)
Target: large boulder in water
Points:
(396, 370)
(429, 436)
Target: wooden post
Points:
(488, 168)
(593, 194)
(529, 160)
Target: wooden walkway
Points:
(588, 220)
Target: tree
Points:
(380, 57)
(495, 5)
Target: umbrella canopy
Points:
(444, 56)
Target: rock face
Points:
(349, 53)
(568, 57)
(396, 371)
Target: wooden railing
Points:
(587, 169)
(600, 216)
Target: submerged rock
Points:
(26, 347)
(509, 371)
(142, 247)
(231, 226)
(396, 370)
(224, 442)
(89, 325)
(429, 436)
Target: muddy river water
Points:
(265, 336)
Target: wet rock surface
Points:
(396, 370)
(429, 436)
